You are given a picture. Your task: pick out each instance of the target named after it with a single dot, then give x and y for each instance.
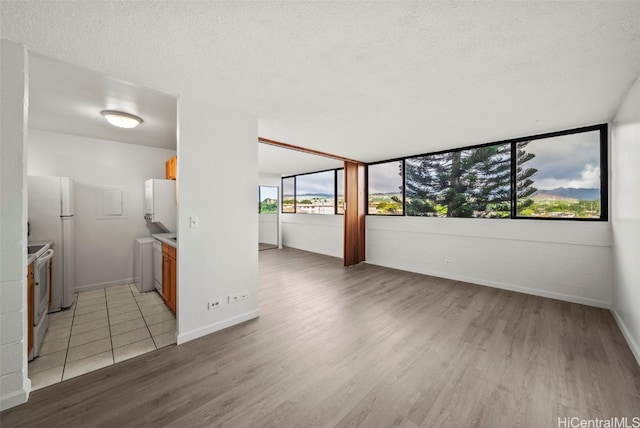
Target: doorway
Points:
(268, 226)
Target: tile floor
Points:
(103, 327)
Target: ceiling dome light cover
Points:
(121, 119)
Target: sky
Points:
(385, 178)
(566, 161)
(268, 192)
(320, 182)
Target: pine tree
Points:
(425, 181)
(466, 183)
(489, 176)
(524, 183)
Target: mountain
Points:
(568, 193)
(319, 195)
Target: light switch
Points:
(194, 222)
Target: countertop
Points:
(32, 257)
(166, 238)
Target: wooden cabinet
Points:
(171, 168)
(30, 285)
(169, 270)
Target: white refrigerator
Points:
(51, 216)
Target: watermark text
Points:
(614, 422)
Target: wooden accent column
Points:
(354, 197)
(354, 213)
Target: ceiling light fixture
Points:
(121, 119)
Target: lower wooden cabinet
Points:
(169, 270)
(30, 286)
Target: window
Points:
(474, 182)
(559, 177)
(385, 184)
(268, 200)
(289, 195)
(315, 193)
(340, 191)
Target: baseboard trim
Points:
(312, 250)
(15, 398)
(635, 349)
(220, 325)
(103, 285)
(509, 287)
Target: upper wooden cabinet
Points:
(171, 168)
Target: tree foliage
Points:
(268, 207)
(466, 183)
(524, 181)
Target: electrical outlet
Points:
(233, 298)
(214, 304)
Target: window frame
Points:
(456, 150)
(295, 191)
(604, 171)
(282, 211)
(260, 186)
(603, 128)
(404, 187)
(335, 181)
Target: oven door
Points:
(42, 287)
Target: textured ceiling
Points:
(365, 80)
(68, 99)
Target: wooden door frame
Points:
(354, 230)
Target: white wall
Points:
(268, 228)
(14, 98)
(313, 232)
(317, 233)
(563, 260)
(265, 179)
(218, 178)
(625, 195)
(569, 260)
(104, 247)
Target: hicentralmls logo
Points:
(614, 422)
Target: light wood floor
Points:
(263, 246)
(365, 346)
